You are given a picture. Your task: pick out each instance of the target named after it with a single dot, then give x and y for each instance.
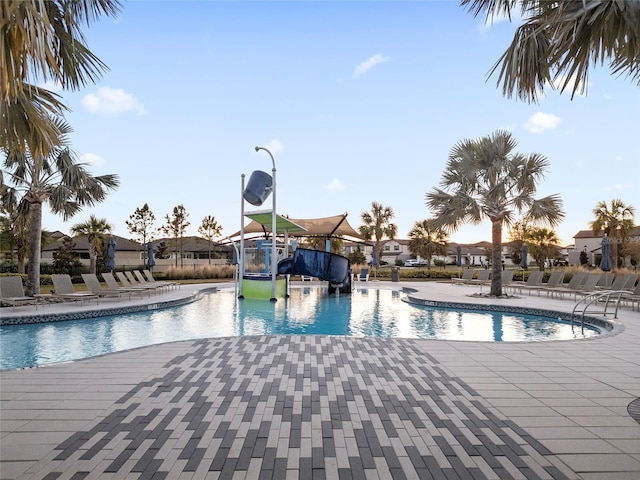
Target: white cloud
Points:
(617, 187)
(92, 159)
(112, 102)
(368, 64)
(541, 122)
(335, 186)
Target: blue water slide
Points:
(316, 263)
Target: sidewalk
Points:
(333, 407)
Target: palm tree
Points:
(377, 225)
(559, 41)
(43, 40)
(210, 229)
(489, 180)
(94, 230)
(617, 222)
(56, 179)
(427, 240)
(543, 242)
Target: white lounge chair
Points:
(12, 292)
(63, 290)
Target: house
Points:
(591, 244)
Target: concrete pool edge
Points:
(7, 321)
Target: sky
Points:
(358, 102)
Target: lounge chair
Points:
(589, 285)
(12, 293)
(577, 280)
(93, 285)
(621, 282)
(63, 290)
(632, 296)
(149, 276)
(533, 281)
(482, 278)
(143, 281)
(124, 280)
(555, 279)
(112, 284)
(467, 276)
(363, 276)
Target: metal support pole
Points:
(274, 251)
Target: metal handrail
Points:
(594, 298)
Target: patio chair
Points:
(577, 280)
(363, 276)
(467, 276)
(93, 285)
(555, 279)
(124, 280)
(533, 280)
(112, 284)
(149, 276)
(63, 290)
(623, 281)
(143, 281)
(632, 296)
(12, 293)
(589, 285)
(482, 278)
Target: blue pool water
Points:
(367, 312)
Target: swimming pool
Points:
(309, 310)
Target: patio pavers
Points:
(331, 407)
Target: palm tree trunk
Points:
(93, 258)
(35, 239)
(496, 257)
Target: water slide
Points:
(332, 267)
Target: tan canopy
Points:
(314, 227)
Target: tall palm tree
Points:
(543, 242)
(426, 240)
(29, 181)
(489, 180)
(94, 230)
(616, 221)
(43, 39)
(377, 225)
(559, 41)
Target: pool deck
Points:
(314, 407)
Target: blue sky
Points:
(358, 101)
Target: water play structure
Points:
(265, 264)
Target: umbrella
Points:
(459, 255)
(111, 254)
(523, 261)
(150, 260)
(605, 263)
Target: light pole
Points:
(274, 260)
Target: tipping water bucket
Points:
(259, 187)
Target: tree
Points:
(616, 221)
(59, 180)
(94, 230)
(176, 226)
(357, 257)
(140, 224)
(65, 260)
(543, 244)
(43, 39)
(517, 235)
(319, 242)
(427, 240)
(377, 225)
(489, 181)
(559, 41)
(210, 229)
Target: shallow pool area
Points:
(368, 312)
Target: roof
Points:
(305, 227)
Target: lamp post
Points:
(274, 260)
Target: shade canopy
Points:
(336, 225)
(605, 263)
(150, 260)
(524, 261)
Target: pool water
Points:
(309, 310)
